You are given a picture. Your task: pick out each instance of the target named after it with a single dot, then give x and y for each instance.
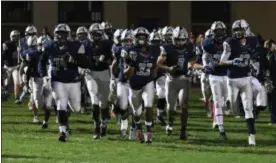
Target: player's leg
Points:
(103, 83)
(247, 101)
(148, 97)
(217, 83)
(75, 96)
(224, 91)
(183, 97)
(48, 101)
(172, 90)
(92, 88)
(233, 90)
(206, 93)
(122, 102)
(161, 101)
(61, 95)
(260, 95)
(135, 97)
(17, 82)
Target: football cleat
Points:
(103, 130)
(222, 136)
(140, 136)
(62, 137)
(148, 137)
(97, 133)
(169, 130)
(44, 125)
(251, 140)
(35, 119)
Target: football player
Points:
(10, 60)
(29, 31)
(33, 82)
(98, 78)
(237, 52)
(65, 78)
(175, 59)
(126, 41)
(217, 74)
(204, 78)
(108, 30)
(155, 40)
(140, 61)
(116, 53)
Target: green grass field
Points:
(23, 141)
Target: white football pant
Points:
(146, 95)
(219, 91)
(67, 93)
(98, 87)
(244, 87)
(160, 87)
(259, 93)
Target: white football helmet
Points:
(30, 30)
(15, 35)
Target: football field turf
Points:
(23, 141)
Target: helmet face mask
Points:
(62, 36)
(82, 36)
(141, 39)
(127, 42)
(238, 32)
(219, 34)
(96, 35)
(180, 42)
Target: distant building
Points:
(192, 15)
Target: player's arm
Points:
(224, 60)
(4, 54)
(162, 59)
(191, 60)
(130, 64)
(43, 62)
(113, 66)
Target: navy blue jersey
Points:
(156, 51)
(144, 63)
(199, 53)
(178, 57)
(10, 54)
(244, 52)
(121, 64)
(61, 68)
(101, 54)
(23, 44)
(214, 50)
(34, 55)
(116, 53)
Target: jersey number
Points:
(144, 69)
(180, 62)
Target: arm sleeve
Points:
(163, 52)
(226, 52)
